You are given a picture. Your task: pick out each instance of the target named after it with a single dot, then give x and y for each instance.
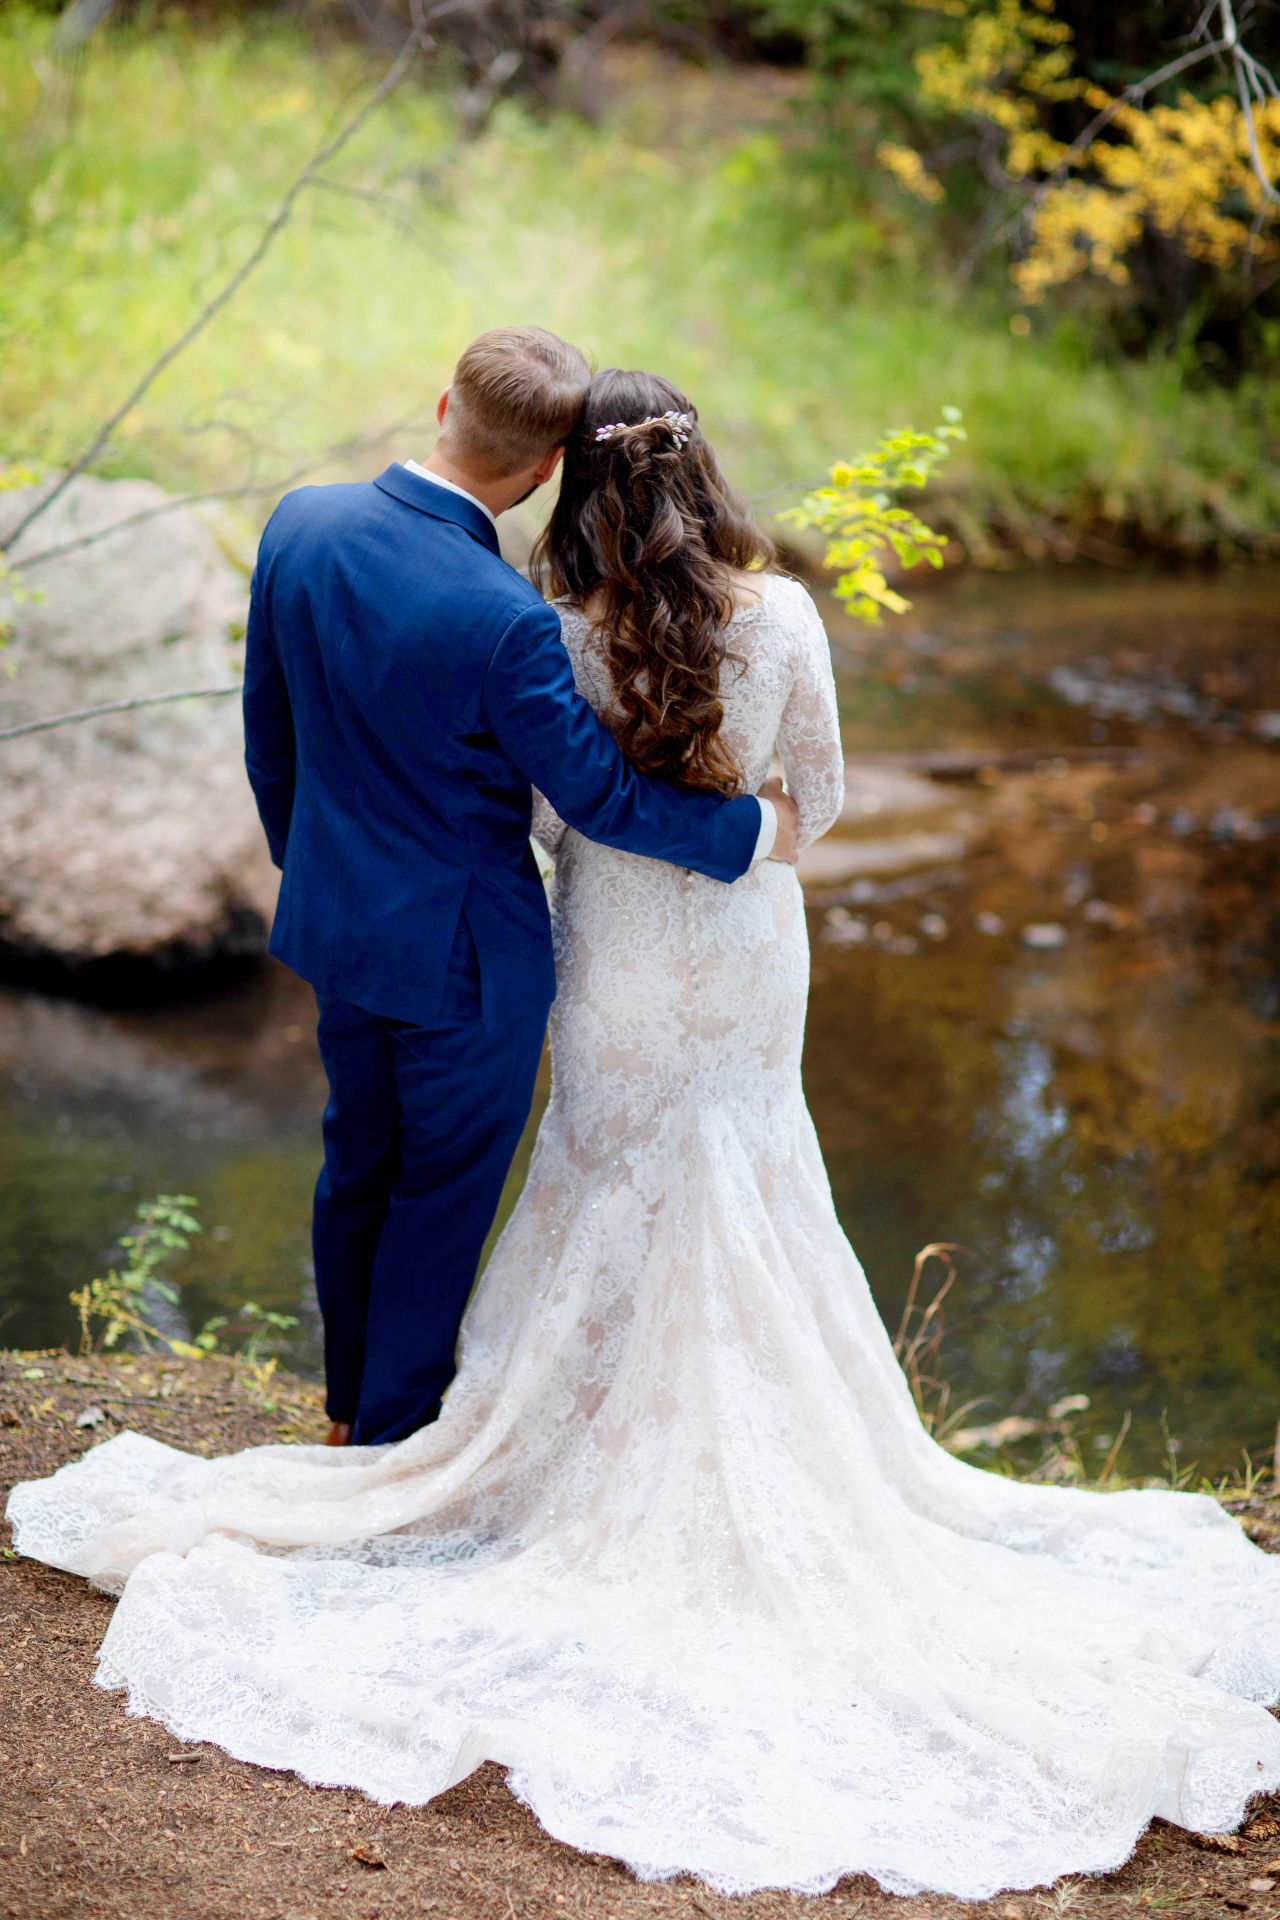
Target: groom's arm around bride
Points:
(404, 690)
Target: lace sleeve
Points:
(809, 731)
(548, 828)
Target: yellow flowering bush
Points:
(1177, 169)
(1184, 170)
(909, 170)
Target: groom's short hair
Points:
(517, 392)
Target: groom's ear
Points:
(441, 404)
(545, 468)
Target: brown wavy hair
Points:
(652, 534)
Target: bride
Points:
(678, 1554)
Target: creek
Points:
(1044, 1025)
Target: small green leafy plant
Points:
(118, 1302)
(858, 513)
(264, 1328)
(165, 1227)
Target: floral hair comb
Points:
(681, 425)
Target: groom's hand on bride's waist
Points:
(784, 841)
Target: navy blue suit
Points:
(404, 689)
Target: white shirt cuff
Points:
(768, 830)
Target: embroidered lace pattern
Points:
(679, 1554)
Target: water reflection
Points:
(1054, 1041)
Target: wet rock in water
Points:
(832, 860)
(132, 836)
(890, 942)
(1103, 914)
(1229, 824)
(989, 923)
(841, 929)
(1045, 936)
(875, 790)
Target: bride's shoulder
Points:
(575, 627)
(785, 590)
(784, 601)
(572, 618)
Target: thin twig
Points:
(1248, 86)
(391, 209)
(788, 486)
(936, 1250)
(1108, 1465)
(115, 706)
(418, 40)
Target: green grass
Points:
(660, 238)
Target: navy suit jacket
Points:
(404, 690)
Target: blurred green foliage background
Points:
(700, 197)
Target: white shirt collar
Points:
(437, 481)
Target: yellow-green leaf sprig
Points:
(859, 512)
(119, 1301)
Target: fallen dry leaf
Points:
(1261, 1886)
(367, 1857)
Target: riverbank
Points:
(107, 1818)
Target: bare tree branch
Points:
(394, 210)
(344, 450)
(418, 41)
(1200, 28)
(116, 706)
(1250, 86)
(787, 486)
(78, 21)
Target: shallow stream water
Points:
(1045, 1024)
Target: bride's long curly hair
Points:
(649, 534)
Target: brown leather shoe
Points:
(339, 1434)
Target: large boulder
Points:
(133, 835)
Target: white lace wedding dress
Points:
(679, 1554)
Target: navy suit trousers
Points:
(419, 1132)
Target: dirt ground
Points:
(105, 1818)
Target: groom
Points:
(404, 690)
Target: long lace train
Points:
(679, 1554)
